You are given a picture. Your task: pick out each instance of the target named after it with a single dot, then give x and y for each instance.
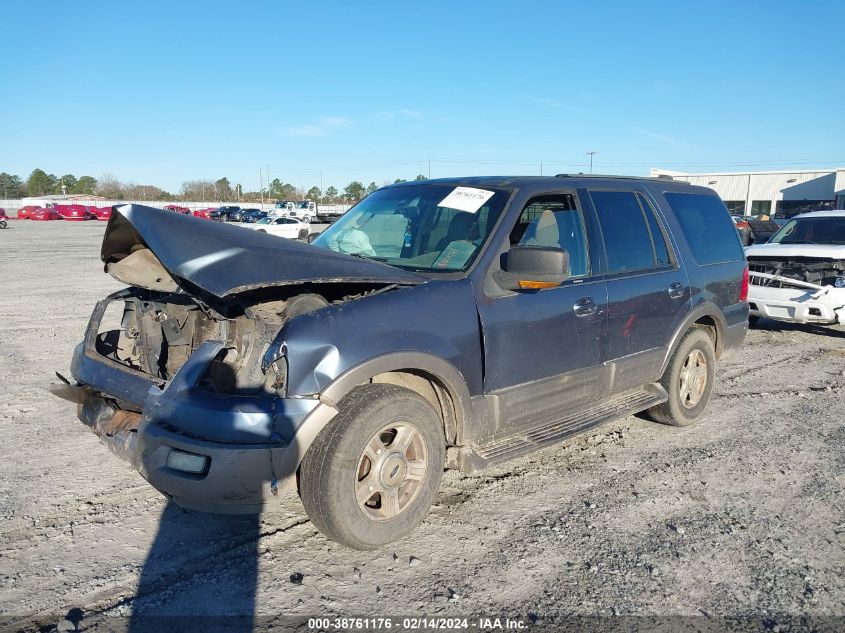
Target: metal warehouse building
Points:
(775, 193)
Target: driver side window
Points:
(554, 220)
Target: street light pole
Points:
(591, 154)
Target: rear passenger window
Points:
(710, 232)
(628, 224)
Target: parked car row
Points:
(68, 212)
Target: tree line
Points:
(40, 183)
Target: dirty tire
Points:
(330, 474)
(695, 346)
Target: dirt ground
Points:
(740, 515)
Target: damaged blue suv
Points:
(445, 323)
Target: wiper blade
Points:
(371, 257)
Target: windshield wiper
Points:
(372, 257)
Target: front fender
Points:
(432, 327)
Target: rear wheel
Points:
(2, 224)
(370, 476)
(688, 380)
(753, 319)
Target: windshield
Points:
(816, 230)
(414, 227)
(302, 205)
(264, 221)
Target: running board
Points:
(473, 459)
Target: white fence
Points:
(14, 205)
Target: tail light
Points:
(743, 293)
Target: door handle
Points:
(585, 307)
(677, 290)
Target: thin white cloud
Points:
(321, 128)
(555, 104)
(660, 137)
(414, 114)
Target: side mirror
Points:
(534, 267)
(312, 237)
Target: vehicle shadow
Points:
(770, 325)
(201, 573)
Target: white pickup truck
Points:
(799, 274)
(304, 211)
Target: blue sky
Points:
(163, 92)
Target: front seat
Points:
(543, 231)
(462, 227)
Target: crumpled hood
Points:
(226, 260)
(833, 251)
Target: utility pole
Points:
(591, 154)
(261, 187)
(268, 183)
(541, 169)
(429, 169)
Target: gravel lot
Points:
(741, 515)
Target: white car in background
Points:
(799, 274)
(283, 227)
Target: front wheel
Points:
(2, 224)
(371, 475)
(688, 380)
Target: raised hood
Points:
(832, 251)
(156, 249)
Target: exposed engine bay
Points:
(813, 270)
(159, 331)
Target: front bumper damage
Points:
(248, 442)
(787, 299)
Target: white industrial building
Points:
(775, 193)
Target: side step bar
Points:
(473, 459)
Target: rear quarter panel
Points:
(714, 288)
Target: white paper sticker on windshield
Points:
(467, 199)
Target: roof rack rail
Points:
(583, 175)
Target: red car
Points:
(102, 213)
(73, 212)
(45, 214)
(25, 212)
(3, 218)
(177, 208)
(205, 214)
